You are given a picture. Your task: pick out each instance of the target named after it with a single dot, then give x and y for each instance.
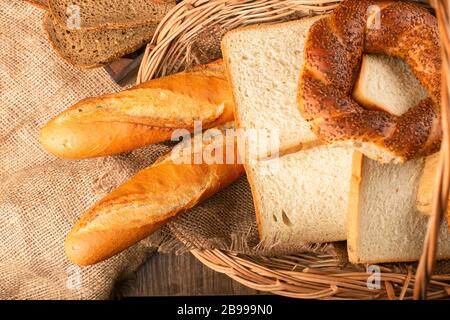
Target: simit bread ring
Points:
(333, 52)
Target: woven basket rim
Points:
(318, 276)
(166, 54)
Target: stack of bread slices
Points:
(89, 33)
(322, 193)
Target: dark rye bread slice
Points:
(43, 4)
(112, 14)
(92, 49)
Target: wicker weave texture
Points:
(308, 275)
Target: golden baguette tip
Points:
(144, 203)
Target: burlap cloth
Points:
(42, 196)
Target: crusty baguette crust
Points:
(94, 139)
(145, 114)
(353, 207)
(143, 204)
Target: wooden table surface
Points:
(182, 275)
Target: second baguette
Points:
(146, 202)
(145, 114)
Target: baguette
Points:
(144, 203)
(145, 114)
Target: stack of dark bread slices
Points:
(89, 33)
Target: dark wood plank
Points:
(182, 275)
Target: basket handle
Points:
(441, 189)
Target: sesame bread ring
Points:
(333, 52)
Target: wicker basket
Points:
(307, 275)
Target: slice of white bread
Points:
(300, 197)
(303, 196)
(263, 64)
(387, 83)
(383, 222)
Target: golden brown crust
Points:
(95, 139)
(42, 4)
(143, 204)
(333, 50)
(426, 184)
(353, 207)
(93, 247)
(148, 113)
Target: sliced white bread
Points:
(383, 222)
(263, 64)
(303, 196)
(306, 198)
(388, 84)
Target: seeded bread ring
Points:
(333, 52)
